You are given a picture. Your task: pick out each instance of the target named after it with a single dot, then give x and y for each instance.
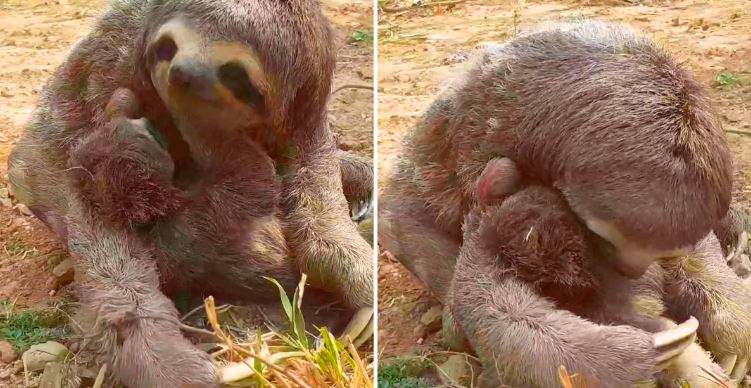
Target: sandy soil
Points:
(34, 39)
(416, 54)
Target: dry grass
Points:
(294, 358)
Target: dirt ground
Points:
(34, 39)
(416, 54)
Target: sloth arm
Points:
(702, 285)
(323, 238)
(136, 328)
(525, 338)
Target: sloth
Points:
(205, 74)
(531, 292)
(599, 114)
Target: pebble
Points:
(53, 376)
(24, 209)
(431, 319)
(6, 202)
(40, 355)
(741, 264)
(64, 273)
(7, 352)
(454, 371)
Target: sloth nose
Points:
(190, 77)
(183, 76)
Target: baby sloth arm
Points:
(123, 173)
(701, 284)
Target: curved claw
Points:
(360, 328)
(360, 210)
(672, 342)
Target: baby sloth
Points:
(251, 185)
(532, 292)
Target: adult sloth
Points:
(202, 70)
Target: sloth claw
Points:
(360, 328)
(672, 342)
(360, 209)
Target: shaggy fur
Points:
(270, 203)
(552, 302)
(601, 114)
(572, 106)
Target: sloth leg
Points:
(324, 240)
(410, 235)
(702, 285)
(136, 329)
(357, 183)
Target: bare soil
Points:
(35, 37)
(417, 51)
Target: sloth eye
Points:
(165, 49)
(234, 77)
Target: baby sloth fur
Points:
(207, 74)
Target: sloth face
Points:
(629, 258)
(215, 86)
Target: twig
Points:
(196, 330)
(738, 132)
(421, 5)
(100, 377)
(358, 361)
(352, 86)
(191, 312)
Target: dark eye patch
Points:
(165, 49)
(234, 77)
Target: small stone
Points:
(4, 192)
(6, 94)
(454, 371)
(6, 202)
(17, 366)
(431, 319)
(741, 264)
(7, 352)
(64, 273)
(5, 374)
(420, 331)
(24, 209)
(40, 355)
(53, 375)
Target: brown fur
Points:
(572, 107)
(286, 224)
(549, 291)
(600, 113)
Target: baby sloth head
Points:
(263, 66)
(543, 241)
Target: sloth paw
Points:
(359, 210)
